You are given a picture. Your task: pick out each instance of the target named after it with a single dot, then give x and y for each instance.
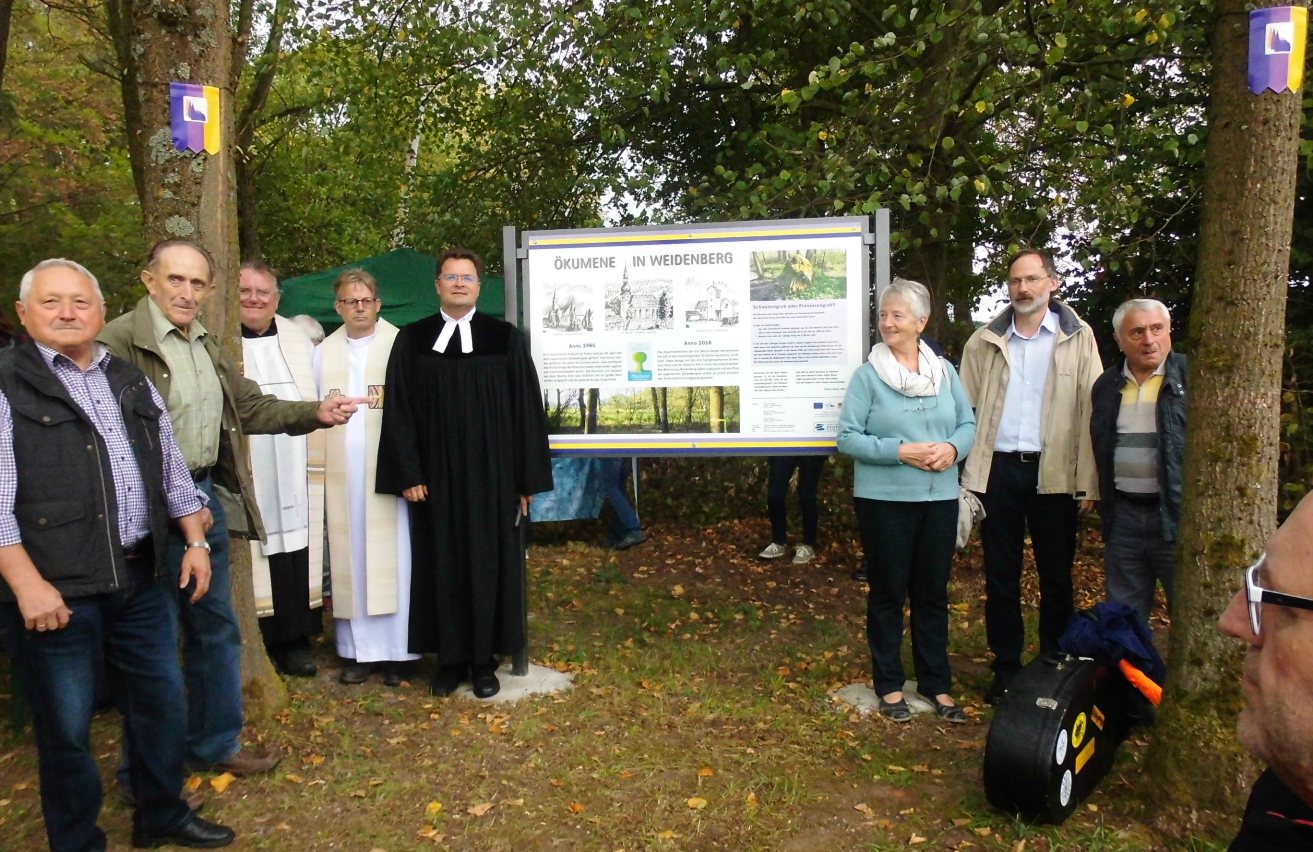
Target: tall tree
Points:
(1230, 489)
(192, 195)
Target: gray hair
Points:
(311, 327)
(1137, 305)
(913, 292)
(25, 285)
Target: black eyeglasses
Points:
(354, 303)
(1256, 595)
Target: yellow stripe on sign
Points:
(1085, 755)
(598, 239)
(690, 445)
(213, 120)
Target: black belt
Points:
(142, 549)
(1137, 499)
(1027, 456)
(199, 474)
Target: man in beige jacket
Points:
(1028, 374)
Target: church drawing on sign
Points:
(569, 310)
(639, 305)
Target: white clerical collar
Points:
(448, 329)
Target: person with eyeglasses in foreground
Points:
(1028, 374)
(368, 532)
(1272, 614)
(464, 440)
(213, 407)
(287, 568)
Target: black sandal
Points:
(896, 711)
(948, 712)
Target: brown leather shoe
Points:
(247, 762)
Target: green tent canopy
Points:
(405, 284)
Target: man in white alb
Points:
(288, 567)
(368, 533)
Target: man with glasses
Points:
(368, 532)
(213, 407)
(1029, 373)
(287, 567)
(1271, 615)
(464, 440)
(1137, 424)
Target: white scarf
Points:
(924, 382)
(444, 336)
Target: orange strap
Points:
(1142, 682)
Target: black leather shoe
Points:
(484, 682)
(295, 662)
(446, 679)
(998, 689)
(393, 674)
(195, 833)
(354, 674)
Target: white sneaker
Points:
(773, 551)
(803, 554)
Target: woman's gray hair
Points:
(913, 292)
(1137, 305)
(25, 285)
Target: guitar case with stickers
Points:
(1055, 735)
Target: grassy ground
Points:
(700, 718)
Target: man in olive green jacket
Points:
(213, 407)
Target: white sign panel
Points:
(712, 339)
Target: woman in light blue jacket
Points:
(907, 423)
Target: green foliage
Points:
(65, 186)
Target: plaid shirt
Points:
(91, 391)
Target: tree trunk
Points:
(6, 15)
(594, 400)
(717, 410)
(184, 194)
(1230, 498)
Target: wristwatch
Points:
(202, 543)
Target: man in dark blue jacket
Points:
(1137, 427)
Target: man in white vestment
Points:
(368, 533)
(287, 568)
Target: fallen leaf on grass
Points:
(221, 782)
(677, 591)
(697, 803)
(864, 808)
(706, 772)
(293, 778)
(892, 768)
(515, 802)
(983, 831)
(479, 809)
(906, 811)
(396, 740)
(751, 801)
(666, 835)
(358, 794)
(192, 783)
(314, 759)
(576, 807)
(915, 839)
(430, 833)
(961, 822)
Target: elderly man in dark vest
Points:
(90, 477)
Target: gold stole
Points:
(297, 350)
(380, 520)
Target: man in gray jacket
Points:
(1028, 374)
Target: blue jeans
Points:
(211, 648)
(615, 473)
(135, 632)
(1136, 558)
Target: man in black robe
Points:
(464, 440)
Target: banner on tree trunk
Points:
(194, 112)
(1276, 48)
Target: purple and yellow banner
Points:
(194, 110)
(1276, 48)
